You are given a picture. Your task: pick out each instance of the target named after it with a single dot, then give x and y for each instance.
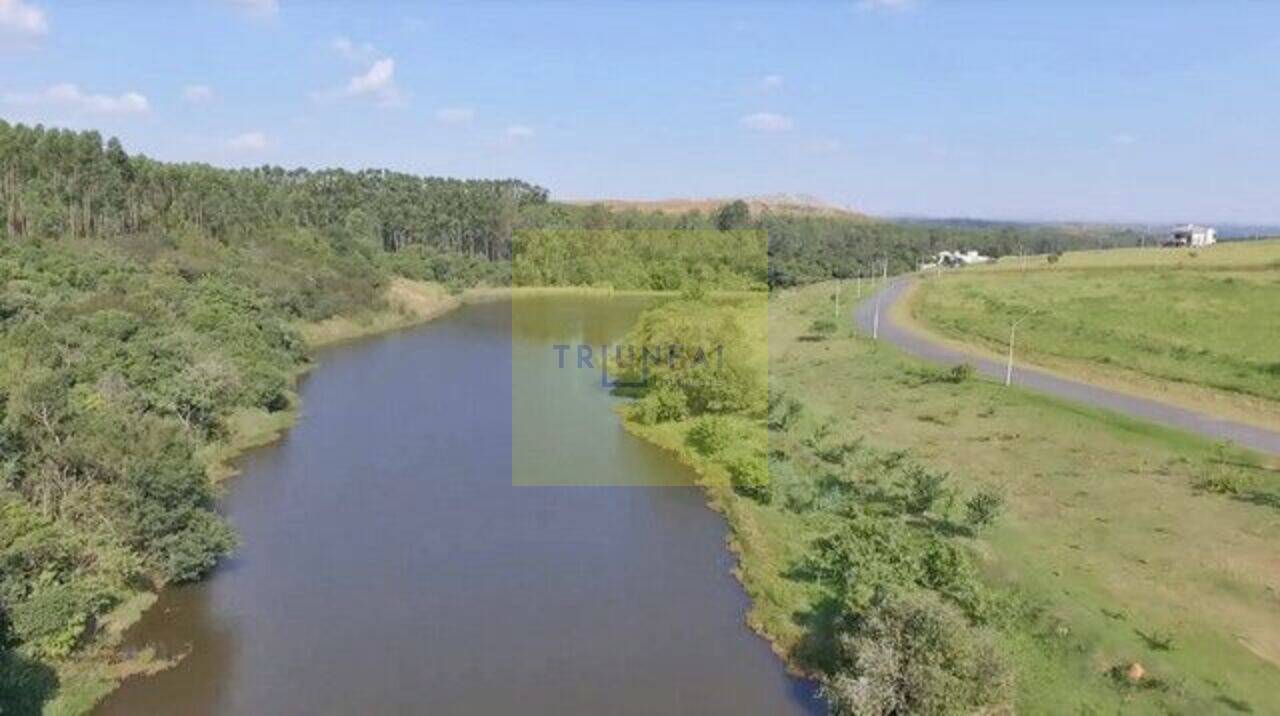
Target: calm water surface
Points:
(390, 565)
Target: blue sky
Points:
(1157, 111)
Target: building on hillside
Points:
(1192, 235)
(953, 259)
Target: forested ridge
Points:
(148, 308)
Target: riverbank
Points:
(407, 304)
(1114, 560)
(98, 666)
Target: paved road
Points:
(1261, 439)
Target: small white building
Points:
(960, 258)
(1192, 235)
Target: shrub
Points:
(922, 489)
(1225, 482)
(709, 435)
(959, 373)
(53, 618)
(663, 404)
(189, 554)
(750, 478)
(915, 654)
(1053, 258)
(840, 453)
(784, 412)
(983, 508)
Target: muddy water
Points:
(389, 564)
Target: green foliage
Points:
(750, 478)
(52, 619)
(692, 261)
(61, 182)
(733, 216)
(983, 508)
(710, 352)
(709, 435)
(25, 684)
(959, 373)
(189, 553)
(839, 453)
(784, 411)
(660, 405)
(922, 489)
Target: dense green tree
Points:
(733, 216)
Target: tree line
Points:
(56, 182)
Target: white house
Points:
(1192, 235)
(959, 258)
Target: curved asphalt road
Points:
(915, 343)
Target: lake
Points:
(393, 561)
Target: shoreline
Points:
(717, 491)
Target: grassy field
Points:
(1194, 326)
(1131, 543)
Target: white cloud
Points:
(766, 122)
(197, 93)
(21, 22)
(455, 115)
(377, 81)
(379, 78)
(890, 5)
(70, 97)
(258, 9)
(1123, 138)
(248, 142)
(770, 82)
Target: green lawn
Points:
(1107, 530)
(1203, 323)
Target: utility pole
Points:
(1008, 370)
(836, 312)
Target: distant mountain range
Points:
(809, 205)
(801, 204)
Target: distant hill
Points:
(793, 204)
